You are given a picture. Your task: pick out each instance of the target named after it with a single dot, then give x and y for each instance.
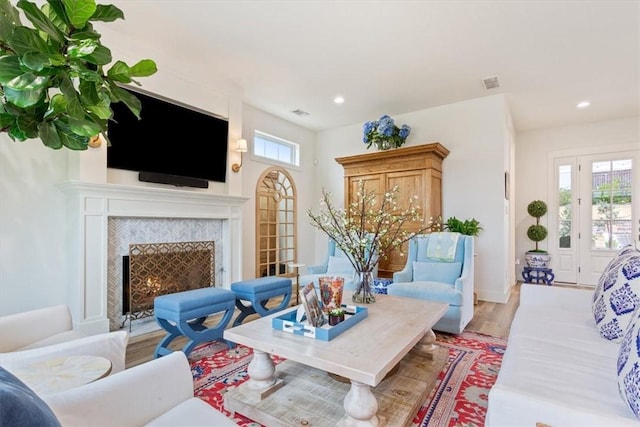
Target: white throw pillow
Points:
(339, 265)
(629, 365)
(617, 296)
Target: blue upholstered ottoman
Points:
(184, 313)
(258, 292)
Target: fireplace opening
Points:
(154, 269)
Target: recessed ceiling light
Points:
(583, 104)
(338, 99)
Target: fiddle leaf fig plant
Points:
(54, 80)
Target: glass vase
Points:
(364, 289)
(384, 145)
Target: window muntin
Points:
(274, 148)
(564, 206)
(611, 204)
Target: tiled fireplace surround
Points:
(106, 218)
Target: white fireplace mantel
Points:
(91, 205)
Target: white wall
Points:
(532, 158)
(33, 224)
(35, 257)
(303, 177)
(473, 175)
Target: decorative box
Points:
(287, 322)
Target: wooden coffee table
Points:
(364, 354)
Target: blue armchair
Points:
(335, 264)
(440, 268)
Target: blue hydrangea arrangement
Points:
(384, 133)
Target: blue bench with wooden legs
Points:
(184, 314)
(252, 296)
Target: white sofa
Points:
(557, 369)
(42, 334)
(155, 393)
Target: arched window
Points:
(276, 226)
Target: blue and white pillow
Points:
(629, 365)
(617, 296)
(615, 262)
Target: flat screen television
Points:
(170, 139)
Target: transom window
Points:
(274, 148)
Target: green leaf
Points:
(82, 48)
(102, 111)
(24, 40)
(12, 14)
(40, 20)
(16, 133)
(54, 9)
(82, 35)
(6, 28)
(48, 133)
(12, 109)
(70, 139)
(100, 56)
(24, 98)
(6, 120)
(107, 13)
(28, 124)
(101, 123)
(80, 68)
(79, 11)
(84, 127)
(38, 61)
(28, 81)
(89, 93)
(9, 68)
(119, 72)
(129, 100)
(9, 19)
(74, 107)
(143, 68)
(57, 106)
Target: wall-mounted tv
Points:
(170, 139)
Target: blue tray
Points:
(287, 323)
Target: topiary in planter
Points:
(537, 258)
(537, 232)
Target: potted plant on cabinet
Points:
(537, 258)
(468, 227)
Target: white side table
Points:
(63, 373)
(297, 266)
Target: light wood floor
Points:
(489, 318)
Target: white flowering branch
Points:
(366, 231)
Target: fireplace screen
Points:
(163, 268)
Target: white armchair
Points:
(47, 333)
(158, 393)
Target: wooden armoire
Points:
(416, 171)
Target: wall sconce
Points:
(241, 147)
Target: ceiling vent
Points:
(491, 83)
(300, 113)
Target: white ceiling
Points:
(394, 57)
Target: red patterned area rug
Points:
(458, 399)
